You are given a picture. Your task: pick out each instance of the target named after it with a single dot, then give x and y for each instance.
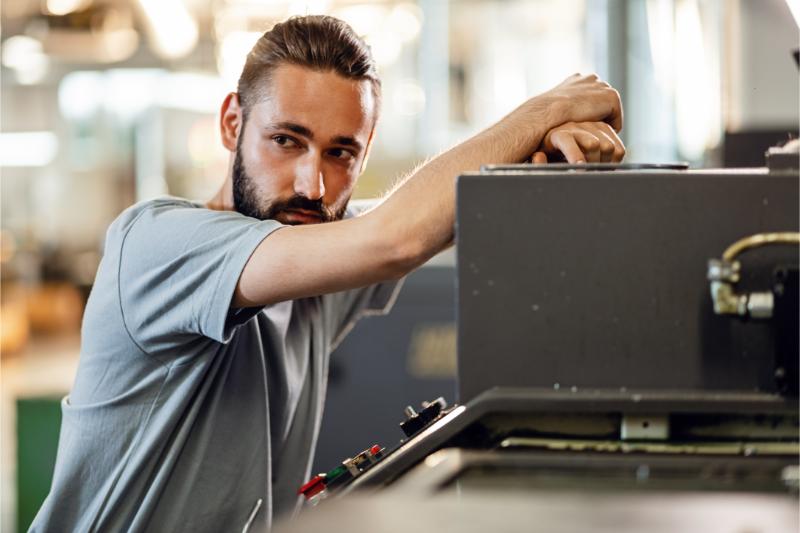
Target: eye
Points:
(284, 141)
(341, 153)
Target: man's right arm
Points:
(416, 220)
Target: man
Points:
(205, 341)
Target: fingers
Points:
(611, 145)
(592, 142)
(577, 142)
(539, 158)
(613, 101)
(605, 143)
(615, 118)
(565, 142)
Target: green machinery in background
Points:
(38, 425)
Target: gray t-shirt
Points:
(185, 414)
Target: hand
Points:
(583, 98)
(584, 142)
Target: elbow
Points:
(406, 256)
(400, 252)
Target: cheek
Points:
(270, 172)
(339, 187)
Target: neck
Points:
(223, 199)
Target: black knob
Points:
(416, 422)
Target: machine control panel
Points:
(321, 485)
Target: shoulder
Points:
(170, 215)
(153, 207)
(158, 222)
(147, 208)
(167, 226)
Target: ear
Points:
(230, 121)
(367, 151)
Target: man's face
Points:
(302, 147)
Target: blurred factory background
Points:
(108, 102)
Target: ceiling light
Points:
(28, 149)
(26, 57)
(64, 7)
(172, 28)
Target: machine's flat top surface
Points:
(588, 166)
(598, 279)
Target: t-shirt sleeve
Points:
(178, 269)
(343, 309)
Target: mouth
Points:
(299, 216)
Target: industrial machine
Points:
(627, 360)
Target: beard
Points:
(247, 202)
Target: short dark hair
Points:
(318, 42)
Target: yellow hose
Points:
(760, 239)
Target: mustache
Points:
(301, 202)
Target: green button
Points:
(336, 472)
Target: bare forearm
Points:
(420, 213)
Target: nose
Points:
(309, 180)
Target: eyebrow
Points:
(291, 126)
(343, 140)
(347, 141)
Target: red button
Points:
(314, 486)
(375, 450)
